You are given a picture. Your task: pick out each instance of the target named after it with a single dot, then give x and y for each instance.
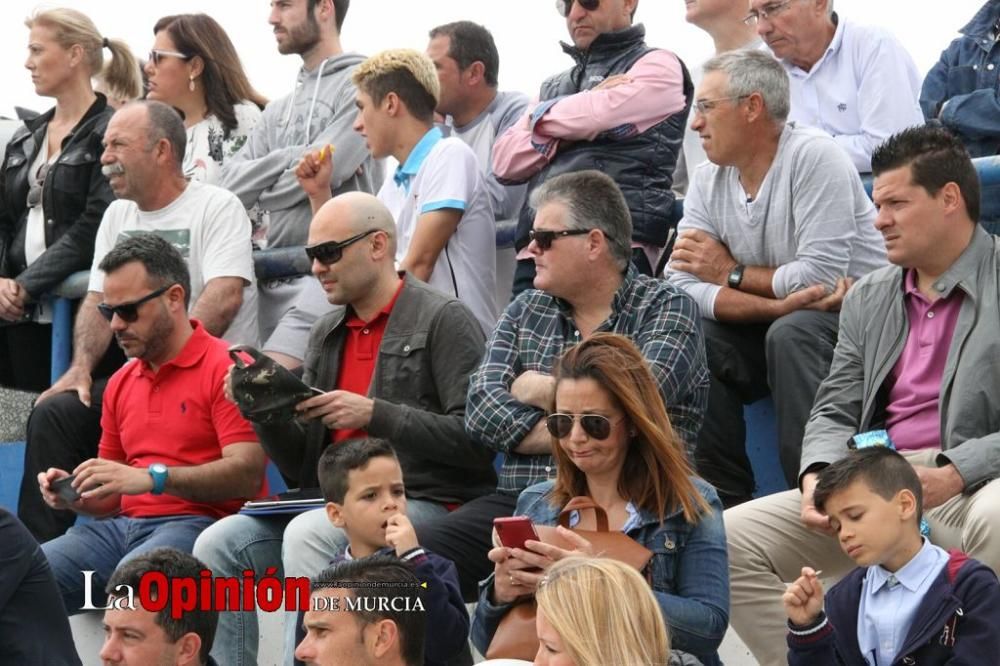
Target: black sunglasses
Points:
(129, 312)
(330, 252)
(35, 191)
(564, 6)
(544, 237)
(595, 425)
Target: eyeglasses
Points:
(705, 105)
(595, 425)
(129, 312)
(330, 252)
(35, 191)
(766, 12)
(156, 55)
(545, 237)
(564, 6)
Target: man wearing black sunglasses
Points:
(621, 109)
(175, 455)
(144, 146)
(393, 360)
(585, 284)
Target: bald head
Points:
(350, 214)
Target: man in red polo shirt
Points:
(174, 455)
(394, 362)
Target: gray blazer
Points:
(431, 345)
(873, 331)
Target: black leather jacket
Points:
(74, 197)
(642, 165)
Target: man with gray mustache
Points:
(144, 146)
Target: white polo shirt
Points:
(443, 173)
(863, 90)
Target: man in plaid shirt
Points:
(584, 284)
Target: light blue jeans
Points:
(101, 545)
(302, 545)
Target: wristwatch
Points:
(159, 473)
(735, 278)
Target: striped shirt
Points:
(534, 331)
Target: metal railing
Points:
(288, 261)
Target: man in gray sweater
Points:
(319, 111)
(775, 228)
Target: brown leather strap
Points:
(582, 503)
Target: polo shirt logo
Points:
(841, 107)
(184, 407)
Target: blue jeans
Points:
(101, 545)
(302, 545)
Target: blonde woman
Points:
(600, 612)
(52, 192)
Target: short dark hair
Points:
(165, 122)
(936, 157)
(594, 201)
(377, 577)
(882, 469)
(162, 261)
(173, 564)
(471, 42)
(338, 460)
(340, 7)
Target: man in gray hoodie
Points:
(319, 111)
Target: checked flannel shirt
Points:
(532, 334)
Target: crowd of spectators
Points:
(589, 384)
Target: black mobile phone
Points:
(64, 488)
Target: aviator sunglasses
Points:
(330, 252)
(564, 6)
(129, 312)
(595, 425)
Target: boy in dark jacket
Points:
(909, 601)
(362, 484)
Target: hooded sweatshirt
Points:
(319, 111)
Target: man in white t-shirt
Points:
(437, 194)
(144, 146)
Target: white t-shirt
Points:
(444, 173)
(210, 228)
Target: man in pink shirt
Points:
(916, 355)
(621, 109)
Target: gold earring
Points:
(191, 83)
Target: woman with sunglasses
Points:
(613, 443)
(194, 68)
(52, 192)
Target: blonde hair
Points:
(72, 28)
(604, 612)
(407, 73)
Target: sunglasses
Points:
(595, 425)
(330, 252)
(544, 237)
(156, 55)
(129, 312)
(35, 191)
(564, 6)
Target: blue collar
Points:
(911, 574)
(405, 172)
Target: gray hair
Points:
(164, 123)
(755, 71)
(594, 201)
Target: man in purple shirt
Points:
(916, 355)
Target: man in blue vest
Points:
(620, 109)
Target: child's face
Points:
(872, 530)
(375, 493)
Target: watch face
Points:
(159, 468)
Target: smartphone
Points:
(64, 488)
(514, 531)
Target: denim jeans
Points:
(302, 545)
(101, 545)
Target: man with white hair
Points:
(774, 230)
(856, 83)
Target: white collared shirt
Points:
(863, 90)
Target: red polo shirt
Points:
(357, 359)
(178, 416)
